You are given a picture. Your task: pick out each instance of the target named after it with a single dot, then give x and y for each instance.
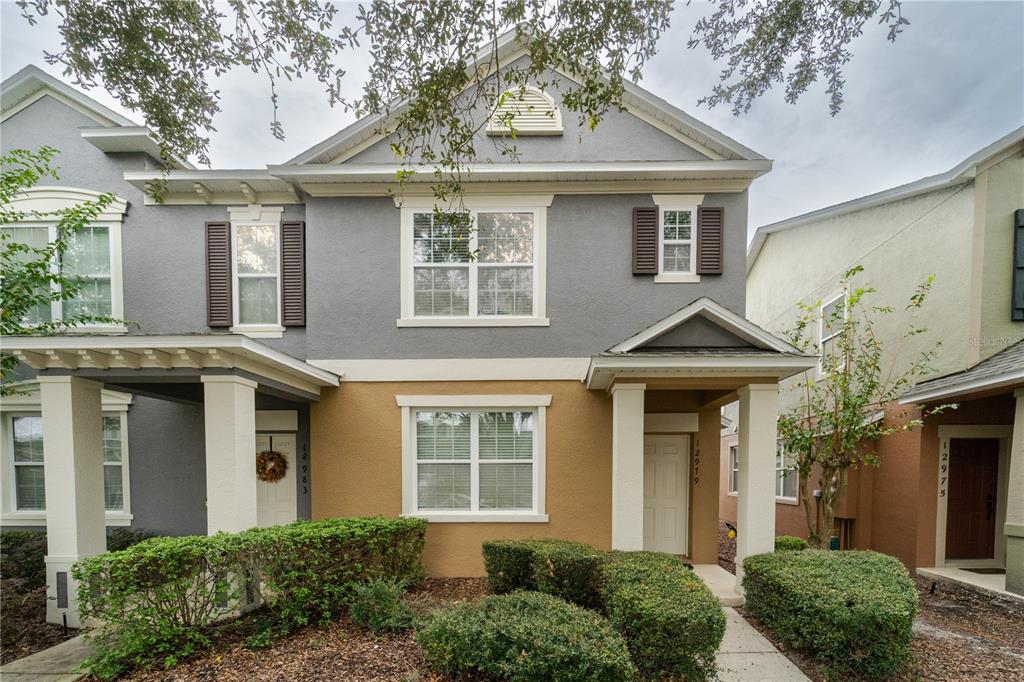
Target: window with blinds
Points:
(475, 460)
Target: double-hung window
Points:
(787, 478)
(27, 458)
(677, 237)
(734, 468)
(830, 325)
(256, 270)
(480, 458)
(481, 265)
(113, 464)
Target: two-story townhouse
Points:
(949, 497)
(557, 370)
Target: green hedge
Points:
(852, 610)
(671, 620)
(22, 554)
(789, 543)
(161, 596)
(525, 636)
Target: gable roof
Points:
(716, 314)
(114, 132)
(1004, 369)
(654, 110)
(961, 173)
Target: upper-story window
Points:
(787, 479)
(830, 324)
(256, 270)
(677, 237)
(93, 255)
(482, 265)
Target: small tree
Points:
(836, 424)
(33, 277)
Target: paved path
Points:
(56, 664)
(746, 656)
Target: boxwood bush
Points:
(671, 620)
(852, 610)
(789, 543)
(510, 564)
(161, 596)
(525, 636)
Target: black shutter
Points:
(1018, 265)
(710, 237)
(218, 274)
(293, 273)
(645, 240)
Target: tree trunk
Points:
(833, 485)
(810, 513)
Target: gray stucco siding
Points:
(593, 299)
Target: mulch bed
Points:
(23, 628)
(726, 549)
(338, 651)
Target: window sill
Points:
(39, 519)
(259, 331)
(677, 279)
(97, 329)
(734, 493)
(473, 322)
(792, 501)
(476, 517)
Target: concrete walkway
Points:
(746, 656)
(56, 664)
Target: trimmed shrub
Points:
(852, 610)
(566, 569)
(789, 543)
(161, 596)
(671, 620)
(22, 554)
(377, 605)
(525, 636)
(123, 538)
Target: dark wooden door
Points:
(971, 510)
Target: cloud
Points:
(952, 83)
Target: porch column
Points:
(628, 466)
(1014, 528)
(72, 411)
(755, 504)
(230, 423)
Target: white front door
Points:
(666, 505)
(276, 502)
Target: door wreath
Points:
(271, 466)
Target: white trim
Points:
(1004, 434)
(713, 312)
(255, 215)
(473, 401)
(458, 369)
(513, 204)
(478, 201)
(676, 277)
(31, 84)
(604, 369)
(963, 172)
(279, 421)
(259, 331)
(410, 405)
(924, 393)
(670, 422)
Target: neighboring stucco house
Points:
(952, 493)
(565, 382)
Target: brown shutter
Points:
(293, 273)
(645, 240)
(710, 226)
(218, 275)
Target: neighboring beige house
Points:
(951, 494)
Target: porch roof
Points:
(705, 363)
(1005, 369)
(142, 357)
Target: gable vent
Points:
(528, 110)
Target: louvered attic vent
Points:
(533, 112)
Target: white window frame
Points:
(780, 458)
(734, 470)
(536, 204)
(411, 404)
(674, 202)
(822, 339)
(248, 216)
(46, 199)
(26, 404)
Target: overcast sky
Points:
(952, 83)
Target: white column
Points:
(628, 466)
(755, 504)
(72, 410)
(230, 423)
(1014, 527)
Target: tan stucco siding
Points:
(1004, 194)
(356, 443)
